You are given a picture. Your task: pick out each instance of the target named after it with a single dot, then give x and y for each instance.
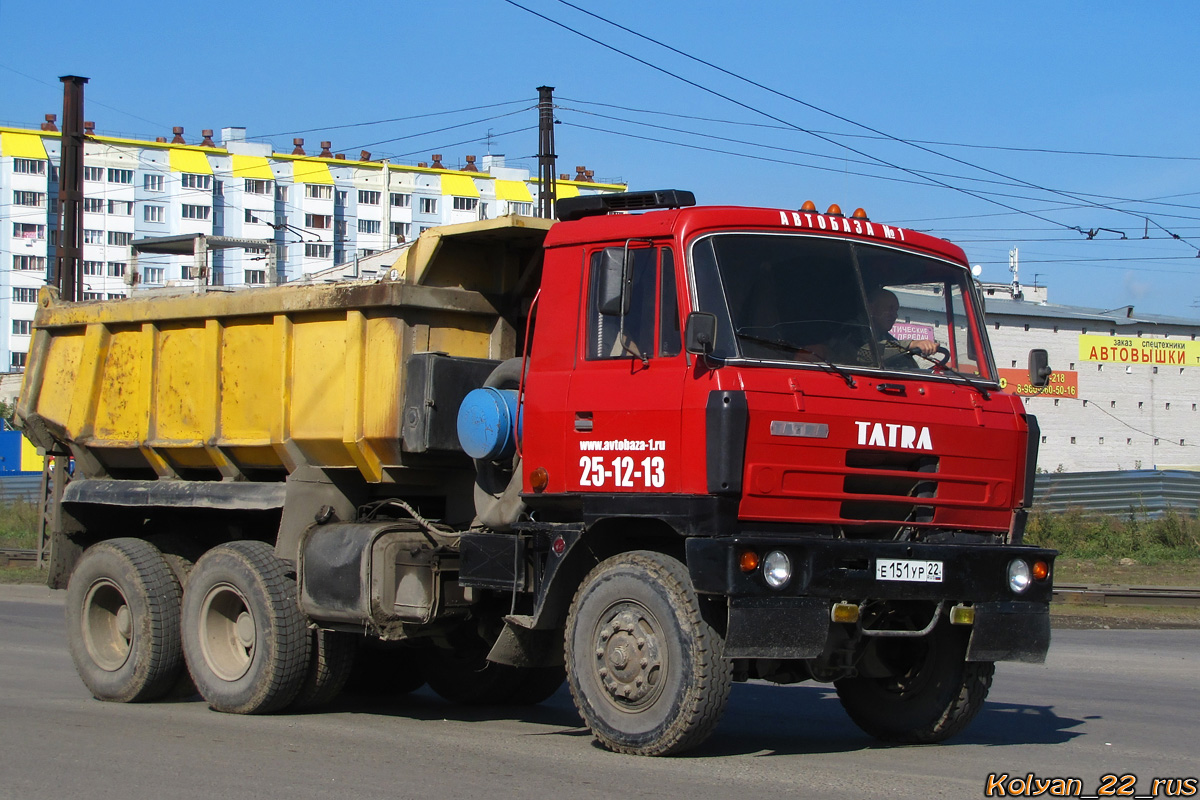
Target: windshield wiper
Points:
(983, 390)
(795, 348)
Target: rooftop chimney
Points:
(178, 131)
(564, 177)
(470, 167)
(89, 129)
(591, 175)
(580, 174)
(298, 150)
(423, 164)
(49, 125)
(340, 156)
(365, 155)
(325, 151)
(437, 161)
(208, 140)
(234, 134)
(160, 139)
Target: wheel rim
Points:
(630, 659)
(227, 632)
(107, 625)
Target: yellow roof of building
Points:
(189, 161)
(21, 145)
(252, 167)
(516, 191)
(459, 185)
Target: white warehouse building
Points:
(312, 216)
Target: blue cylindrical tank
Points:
(486, 423)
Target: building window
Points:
(93, 268)
(22, 327)
(365, 252)
(93, 295)
(526, 210)
(152, 213)
(401, 230)
(28, 230)
(120, 238)
(153, 274)
(1072, 365)
(368, 198)
(120, 208)
(116, 269)
(250, 216)
(191, 180)
(29, 263)
(29, 166)
(258, 186)
(1043, 440)
(1112, 403)
(116, 295)
(1072, 440)
(120, 176)
(1026, 326)
(1014, 363)
(93, 236)
(281, 194)
(93, 173)
(1156, 442)
(33, 199)
(318, 250)
(339, 229)
(1101, 440)
(1139, 405)
(428, 205)
(369, 226)
(318, 191)
(401, 200)
(256, 277)
(1056, 401)
(1154, 370)
(16, 361)
(24, 295)
(196, 212)
(1168, 408)
(1129, 440)
(153, 183)
(340, 198)
(465, 203)
(321, 221)
(93, 204)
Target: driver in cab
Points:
(883, 307)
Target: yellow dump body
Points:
(253, 383)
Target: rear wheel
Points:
(930, 694)
(244, 634)
(645, 669)
(122, 610)
(330, 662)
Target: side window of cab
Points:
(622, 294)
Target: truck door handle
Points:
(583, 421)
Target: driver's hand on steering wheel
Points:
(925, 347)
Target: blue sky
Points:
(959, 79)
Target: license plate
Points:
(908, 569)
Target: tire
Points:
(123, 630)
(244, 635)
(330, 661)
(536, 685)
(646, 671)
(933, 695)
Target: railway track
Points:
(1082, 594)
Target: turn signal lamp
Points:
(748, 561)
(844, 612)
(1041, 570)
(860, 213)
(834, 210)
(809, 205)
(538, 479)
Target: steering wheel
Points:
(938, 363)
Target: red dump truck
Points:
(650, 448)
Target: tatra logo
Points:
(885, 434)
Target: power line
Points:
(394, 119)
(822, 111)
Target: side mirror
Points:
(1039, 368)
(700, 334)
(614, 283)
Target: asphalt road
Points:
(1106, 702)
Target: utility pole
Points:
(68, 264)
(546, 162)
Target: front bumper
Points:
(794, 620)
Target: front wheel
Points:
(930, 692)
(646, 671)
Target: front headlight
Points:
(1019, 576)
(777, 569)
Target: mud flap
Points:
(777, 627)
(1010, 631)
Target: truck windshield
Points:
(788, 297)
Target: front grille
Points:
(877, 475)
